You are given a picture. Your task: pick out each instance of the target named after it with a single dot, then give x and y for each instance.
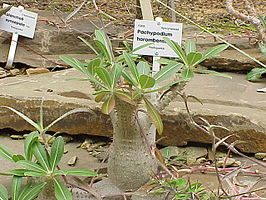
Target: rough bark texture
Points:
(131, 161)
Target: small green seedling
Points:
(28, 192)
(45, 165)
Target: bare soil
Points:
(204, 12)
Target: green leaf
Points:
(124, 96)
(141, 47)
(74, 63)
(3, 193)
(146, 81)
(15, 187)
(187, 73)
(214, 51)
(31, 166)
(104, 76)
(75, 172)
(29, 192)
(190, 47)
(88, 44)
(27, 119)
(81, 67)
(92, 64)
(18, 172)
(78, 79)
(29, 141)
(177, 49)
(34, 174)
(211, 72)
(57, 152)
(116, 73)
(262, 48)
(165, 61)
(108, 105)
(41, 155)
(6, 153)
(154, 115)
(101, 37)
(25, 189)
(17, 157)
(129, 79)
(255, 74)
(121, 58)
(167, 71)
(143, 68)
(179, 182)
(104, 14)
(165, 87)
(74, 111)
(193, 58)
(100, 96)
(61, 191)
(183, 196)
(132, 66)
(103, 50)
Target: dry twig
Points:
(252, 18)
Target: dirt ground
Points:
(206, 12)
(85, 160)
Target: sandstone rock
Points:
(234, 104)
(192, 153)
(3, 73)
(226, 162)
(260, 156)
(14, 72)
(72, 161)
(17, 137)
(236, 164)
(50, 41)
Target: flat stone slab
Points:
(234, 104)
(52, 38)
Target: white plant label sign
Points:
(153, 32)
(19, 21)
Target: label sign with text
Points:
(19, 21)
(153, 32)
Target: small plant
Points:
(28, 192)
(46, 159)
(172, 157)
(179, 189)
(45, 165)
(256, 73)
(39, 125)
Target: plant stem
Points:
(249, 192)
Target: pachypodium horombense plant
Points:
(124, 84)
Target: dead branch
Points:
(252, 18)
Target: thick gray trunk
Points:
(130, 163)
